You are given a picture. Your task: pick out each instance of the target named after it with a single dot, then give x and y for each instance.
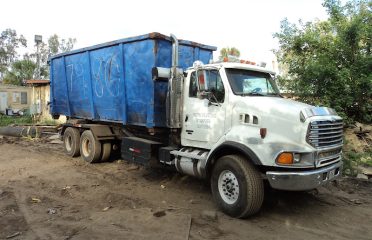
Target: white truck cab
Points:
(233, 113)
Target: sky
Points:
(245, 24)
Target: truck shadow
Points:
(275, 202)
(288, 200)
(305, 202)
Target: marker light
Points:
(263, 132)
(285, 158)
(197, 64)
(235, 59)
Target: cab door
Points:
(204, 109)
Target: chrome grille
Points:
(329, 157)
(324, 134)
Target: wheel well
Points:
(231, 149)
(64, 127)
(100, 131)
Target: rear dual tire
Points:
(86, 145)
(92, 150)
(106, 151)
(71, 142)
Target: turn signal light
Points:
(285, 158)
(263, 132)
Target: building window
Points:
(16, 97)
(23, 97)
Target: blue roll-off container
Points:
(113, 81)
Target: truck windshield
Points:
(250, 83)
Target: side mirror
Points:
(202, 81)
(207, 97)
(203, 95)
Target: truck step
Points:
(192, 153)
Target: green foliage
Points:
(18, 120)
(57, 45)
(25, 120)
(19, 72)
(54, 46)
(9, 43)
(227, 51)
(53, 43)
(14, 71)
(44, 54)
(48, 122)
(329, 62)
(353, 159)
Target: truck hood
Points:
(280, 116)
(274, 107)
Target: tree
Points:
(9, 43)
(54, 46)
(19, 72)
(329, 62)
(14, 71)
(57, 45)
(227, 51)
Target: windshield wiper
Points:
(275, 94)
(253, 94)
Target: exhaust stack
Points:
(174, 95)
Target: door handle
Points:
(186, 118)
(189, 131)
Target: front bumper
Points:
(304, 180)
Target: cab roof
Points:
(239, 66)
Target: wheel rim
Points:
(228, 186)
(68, 143)
(86, 147)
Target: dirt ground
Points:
(47, 195)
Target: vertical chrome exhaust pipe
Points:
(174, 95)
(174, 50)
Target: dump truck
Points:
(159, 101)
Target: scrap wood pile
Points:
(358, 149)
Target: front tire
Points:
(90, 147)
(237, 186)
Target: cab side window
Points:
(209, 80)
(215, 85)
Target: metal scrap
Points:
(13, 235)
